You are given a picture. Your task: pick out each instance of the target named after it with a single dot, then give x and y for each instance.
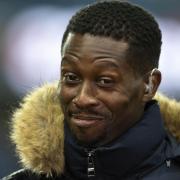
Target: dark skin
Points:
(101, 95)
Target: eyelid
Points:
(109, 81)
(65, 72)
(68, 73)
(106, 78)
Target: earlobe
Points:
(151, 86)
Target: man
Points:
(110, 127)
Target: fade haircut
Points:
(121, 21)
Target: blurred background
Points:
(30, 39)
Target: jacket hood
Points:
(38, 128)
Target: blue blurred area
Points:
(53, 17)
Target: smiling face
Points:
(100, 94)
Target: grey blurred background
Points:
(30, 39)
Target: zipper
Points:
(91, 166)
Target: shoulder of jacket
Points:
(24, 174)
(21, 174)
(170, 169)
(11, 176)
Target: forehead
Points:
(94, 46)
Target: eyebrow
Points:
(104, 63)
(98, 62)
(68, 60)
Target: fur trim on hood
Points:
(37, 128)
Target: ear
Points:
(151, 85)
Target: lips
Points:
(86, 120)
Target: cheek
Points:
(115, 101)
(66, 94)
(126, 110)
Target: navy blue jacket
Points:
(145, 152)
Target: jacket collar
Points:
(125, 154)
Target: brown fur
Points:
(38, 133)
(170, 110)
(37, 129)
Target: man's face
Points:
(100, 95)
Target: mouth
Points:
(86, 120)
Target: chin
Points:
(91, 142)
(93, 135)
(85, 138)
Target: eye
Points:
(70, 78)
(105, 82)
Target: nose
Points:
(86, 96)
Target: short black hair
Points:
(121, 21)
